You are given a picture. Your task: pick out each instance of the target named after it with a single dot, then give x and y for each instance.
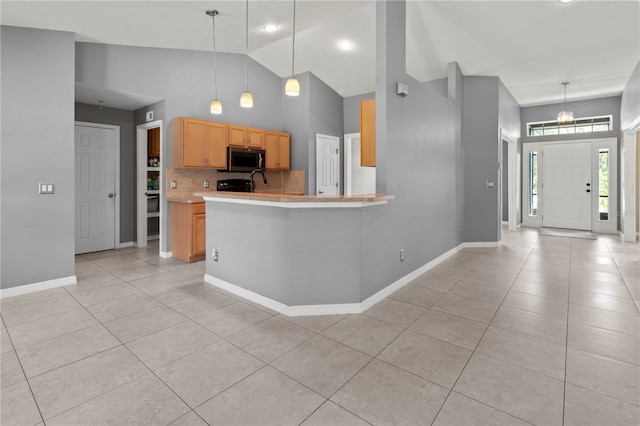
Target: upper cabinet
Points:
(199, 143)
(203, 144)
(277, 150)
(246, 137)
(368, 133)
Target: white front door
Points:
(567, 186)
(95, 152)
(327, 165)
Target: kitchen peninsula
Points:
(296, 254)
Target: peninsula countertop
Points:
(296, 200)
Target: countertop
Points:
(297, 201)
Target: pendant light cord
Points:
(293, 50)
(246, 49)
(215, 63)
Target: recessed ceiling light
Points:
(346, 45)
(566, 1)
(271, 28)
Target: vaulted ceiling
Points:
(533, 46)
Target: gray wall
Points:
(351, 106)
(326, 117)
(127, 191)
(417, 146)
(480, 141)
(183, 79)
(630, 100)
(588, 108)
(37, 98)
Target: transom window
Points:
(580, 125)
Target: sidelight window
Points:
(533, 183)
(603, 184)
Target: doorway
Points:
(97, 185)
(150, 220)
(357, 179)
(327, 165)
(571, 184)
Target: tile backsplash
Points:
(189, 181)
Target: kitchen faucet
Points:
(264, 178)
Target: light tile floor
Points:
(541, 330)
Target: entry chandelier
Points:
(246, 99)
(216, 105)
(565, 116)
(292, 87)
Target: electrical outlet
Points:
(401, 255)
(462, 229)
(206, 184)
(174, 184)
(215, 254)
(46, 188)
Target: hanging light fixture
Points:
(565, 116)
(292, 87)
(216, 105)
(246, 99)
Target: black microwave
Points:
(244, 159)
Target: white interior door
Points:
(567, 186)
(327, 165)
(95, 152)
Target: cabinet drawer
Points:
(198, 208)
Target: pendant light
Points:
(246, 99)
(565, 116)
(216, 105)
(292, 87)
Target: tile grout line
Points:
(476, 347)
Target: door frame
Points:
(141, 184)
(116, 239)
(512, 184)
(629, 177)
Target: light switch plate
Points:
(46, 188)
(149, 115)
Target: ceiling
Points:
(533, 46)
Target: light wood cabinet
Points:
(277, 147)
(153, 144)
(199, 143)
(368, 133)
(188, 231)
(246, 137)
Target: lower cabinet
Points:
(188, 233)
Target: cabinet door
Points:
(255, 138)
(368, 133)
(199, 240)
(194, 135)
(153, 144)
(216, 147)
(237, 135)
(284, 146)
(272, 151)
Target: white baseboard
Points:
(489, 244)
(125, 245)
(332, 309)
(44, 285)
(166, 254)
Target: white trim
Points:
(116, 237)
(141, 183)
(481, 244)
(339, 308)
(125, 245)
(166, 254)
(43, 285)
(634, 127)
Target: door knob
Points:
(111, 195)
